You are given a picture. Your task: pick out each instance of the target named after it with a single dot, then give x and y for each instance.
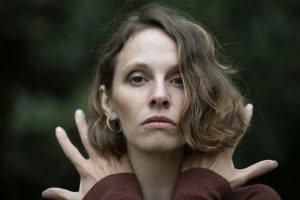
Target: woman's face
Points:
(148, 93)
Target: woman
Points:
(166, 118)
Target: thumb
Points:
(59, 194)
(248, 113)
(258, 169)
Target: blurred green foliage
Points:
(48, 52)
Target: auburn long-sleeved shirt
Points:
(193, 184)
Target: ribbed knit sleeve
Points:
(204, 184)
(122, 186)
(201, 184)
(253, 192)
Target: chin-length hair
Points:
(213, 114)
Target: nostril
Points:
(165, 103)
(153, 102)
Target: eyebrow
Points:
(145, 66)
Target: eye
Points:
(136, 79)
(178, 82)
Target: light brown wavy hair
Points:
(213, 111)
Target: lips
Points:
(159, 122)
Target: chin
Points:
(157, 141)
(161, 146)
(161, 149)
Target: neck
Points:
(156, 172)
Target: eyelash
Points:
(177, 84)
(139, 79)
(136, 79)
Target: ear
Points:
(106, 103)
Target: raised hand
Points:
(222, 164)
(92, 169)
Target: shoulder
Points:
(255, 192)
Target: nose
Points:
(159, 97)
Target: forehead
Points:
(150, 46)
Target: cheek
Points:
(126, 106)
(178, 101)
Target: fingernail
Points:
(78, 113)
(249, 107)
(273, 163)
(46, 194)
(58, 130)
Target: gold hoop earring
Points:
(110, 128)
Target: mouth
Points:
(159, 122)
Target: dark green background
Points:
(48, 51)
